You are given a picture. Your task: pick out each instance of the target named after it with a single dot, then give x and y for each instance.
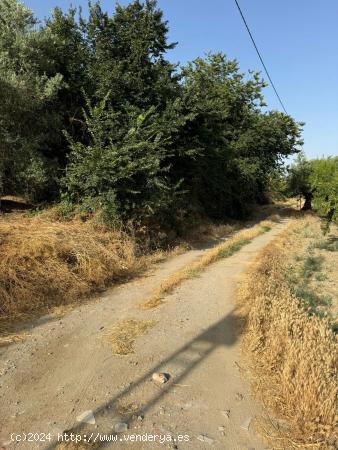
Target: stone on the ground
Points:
(86, 417)
(160, 377)
(205, 439)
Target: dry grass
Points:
(122, 336)
(11, 338)
(45, 264)
(223, 250)
(293, 354)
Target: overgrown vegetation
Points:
(317, 181)
(329, 245)
(46, 264)
(293, 353)
(94, 117)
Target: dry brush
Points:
(293, 355)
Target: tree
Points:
(26, 105)
(128, 55)
(236, 145)
(299, 180)
(317, 181)
(324, 182)
(128, 174)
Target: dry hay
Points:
(44, 264)
(8, 338)
(293, 354)
(122, 336)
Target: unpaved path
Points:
(65, 367)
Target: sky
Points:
(298, 40)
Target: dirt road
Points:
(65, 367)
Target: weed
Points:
(233, 248)
(311, 265)
(195, 272)
(330, 245)
(334, 327)
(293, 354)
(311, 300)
(320, 277)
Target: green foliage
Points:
(324, 181)
(317, 180)
(330, 245)
(127, 57)
(92, 112)
(311, 264)
(315, 303)
(277, 185)
(66, 209)
(311, 300)
(299, 177)
(233, 248)
(32, 99)
(235, 144)
(123, 168)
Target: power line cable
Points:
(260, 57)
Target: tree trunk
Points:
(308, 201)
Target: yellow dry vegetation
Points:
(45, 263)
(227, 248)
(122, 335)
(293, 355)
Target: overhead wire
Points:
(260, 56)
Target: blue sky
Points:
(297, 38)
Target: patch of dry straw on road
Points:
(293, 355)
(122, 335)
(223, 250)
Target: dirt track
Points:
(65, 367)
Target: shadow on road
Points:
(225, 332)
